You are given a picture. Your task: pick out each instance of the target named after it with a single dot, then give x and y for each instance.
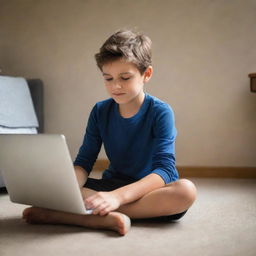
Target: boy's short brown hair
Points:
(128, 45)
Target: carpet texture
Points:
(222, 222)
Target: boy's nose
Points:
(116, 85)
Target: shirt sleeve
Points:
(92, 142)
(164, 133)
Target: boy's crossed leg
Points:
(171, 199)
(114, 220)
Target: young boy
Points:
(138, 133)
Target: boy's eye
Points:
(125, 78)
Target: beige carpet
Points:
(221, 222)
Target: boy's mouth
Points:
(118, 94)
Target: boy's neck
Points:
(131, 108)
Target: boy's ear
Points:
(148, 74)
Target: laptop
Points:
(38, 170)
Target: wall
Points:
(203, 52)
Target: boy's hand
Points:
(102, 203)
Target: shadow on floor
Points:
(151, 223)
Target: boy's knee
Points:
(188, 190)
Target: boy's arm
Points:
(81, 175)
(138, 189)
(89, 150)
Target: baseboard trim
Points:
(201, 171)
(217, 172)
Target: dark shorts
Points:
(114, 183)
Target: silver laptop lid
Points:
(38, 171)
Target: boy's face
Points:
(123, 80)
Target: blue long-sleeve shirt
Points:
(136, 146)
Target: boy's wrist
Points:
(119, 196)
(81, 175)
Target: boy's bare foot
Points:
(114, 220)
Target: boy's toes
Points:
(35, 215)
(26, 212)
